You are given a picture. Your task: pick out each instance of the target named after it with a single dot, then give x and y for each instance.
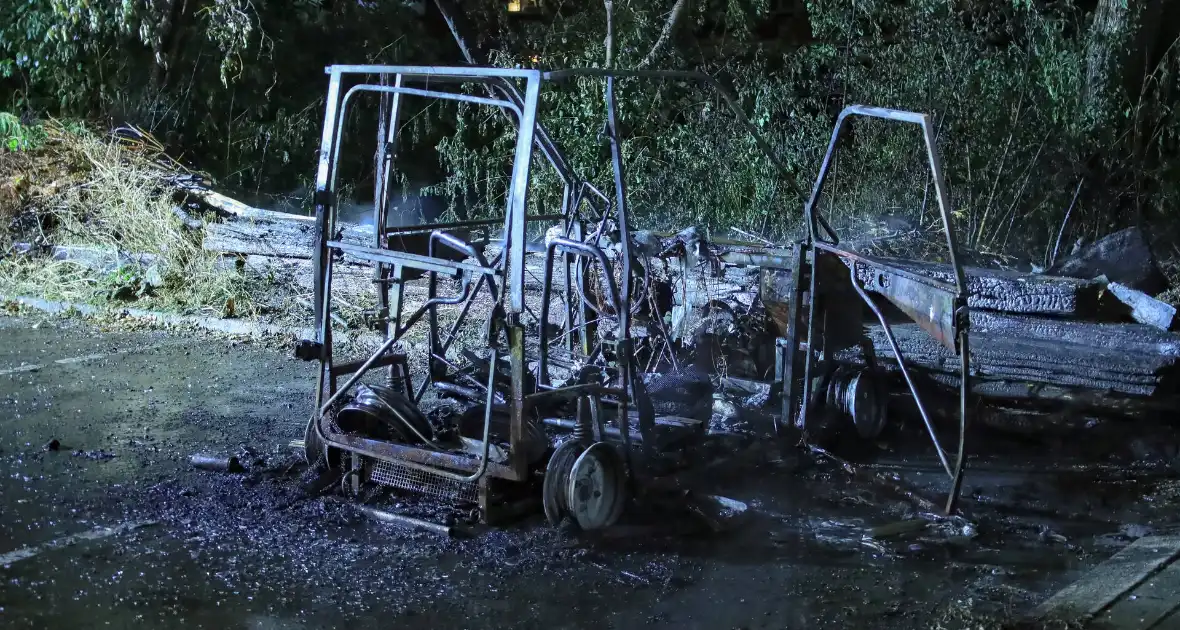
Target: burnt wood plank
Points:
(1146, 606)
(1004, 290)
(1130, 359)
(1101, 586)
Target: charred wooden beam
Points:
(299, 273)
(231, 206)
(1035, 394)
(1007, 291)
(273, 237)
(1126, 359)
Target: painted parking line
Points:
(33, 367)
(97, 533)
(28, 367)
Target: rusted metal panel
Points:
(776, 288)
(931, 308)
(425, 457)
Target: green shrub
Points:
(15, 136)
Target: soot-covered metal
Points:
(528, 367)
(575, 372)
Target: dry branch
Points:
(666, 33)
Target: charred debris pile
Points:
(1086, 338)
(1051, 352)
(94, 218)
(574, 352)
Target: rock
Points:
(1144, 308)
(153, 276)
(1123, 257)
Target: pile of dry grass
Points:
(15, 171)
(109, 194)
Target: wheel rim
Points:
(596, 490)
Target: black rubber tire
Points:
(387, 424)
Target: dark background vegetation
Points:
(1040, 106)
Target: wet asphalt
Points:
(255, 550)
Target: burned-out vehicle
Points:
(534, 367)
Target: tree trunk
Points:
(176, 36)
(666, 33)
(168, 13)
(1104, 63)
(610, 33)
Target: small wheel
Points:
(597, 490)
(556, 479)
(866, 406)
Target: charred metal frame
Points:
(515, 93)
(938, 307)
(507, 272)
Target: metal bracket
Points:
(308, 350)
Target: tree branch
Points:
(610, 33)
(666, 34)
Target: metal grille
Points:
(420, 481)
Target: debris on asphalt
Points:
(98, 454)
(408, 521)
(897, 528)
(216, 463)
(718, 512)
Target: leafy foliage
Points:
(1029, 100)
(1032, 100)
(16, 136)
(206, 76)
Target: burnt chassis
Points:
(503, 279)
(822, 287)
(940, 307)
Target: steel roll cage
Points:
(938, 307)
(521, 105)
(523, 109)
